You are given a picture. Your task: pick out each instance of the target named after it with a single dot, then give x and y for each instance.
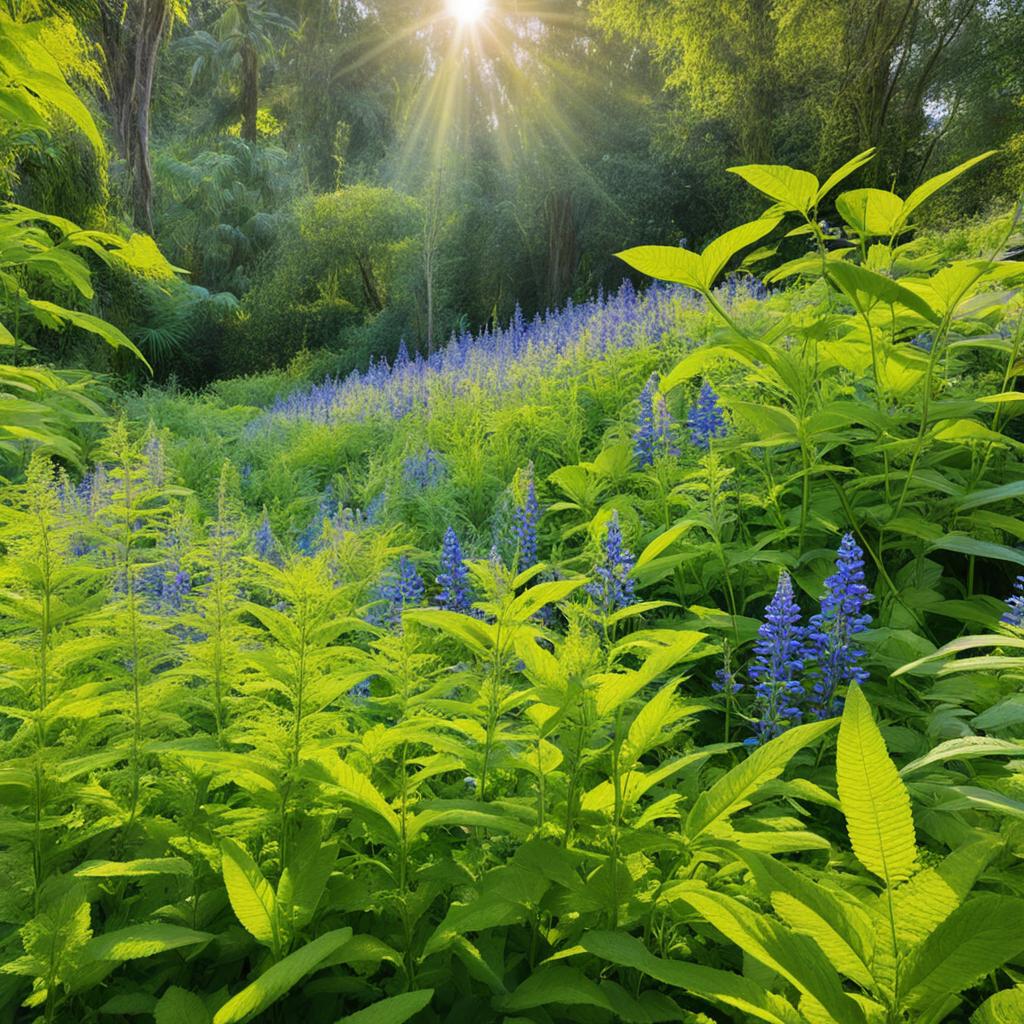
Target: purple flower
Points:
(1014, 614)
(524, 525)
(836, 662)
(453, 579)
(265, 543)
(778, 660)
(706, 419)
(423, 471)
(655, 427)
(613, 586)
(402, 588)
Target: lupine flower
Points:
(706, 419)
(643, 436)
(836, 662)
(613, 586)
(778, 660)
(725, 682)
(402, 588)
(453, 579)
(423, 471)
(309, 539)
(1014, 614)
(655, 427)
(265, 543)
(524, 525)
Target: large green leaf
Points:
(354, 787)
(801, 961)
(871, 212)
(140, 940)
(144, 868)
(557, 984)
(932, 185)
(740, 783)
(717, 986)
(873, 797)
(251, 895)
(672, 263)
(393, 1010)
(865, 289)
(793, 190)
(974, 940)
(281, 978)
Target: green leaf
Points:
(740, 783)
(796, 191)
(975, 939)
(796, 957)
(874, 799)
(871, 212)
(251, 895)
(1006, 1007)
(865, 289)
(354, 787)
(177, 1006)
(134, 868)
(851, 165)
(964, 748)
(722, 249)
(555, 984)
(476, 635)
(281, 978)
(666, 263)
(964, 545)
(672, 263)
(140, 940)
(393, 1010)
(932, 185)
(716, 986)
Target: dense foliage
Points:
(647, 661)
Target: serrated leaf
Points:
(251, 895)
(141, 940)
(278, 980)
(740, 783)
(975, 939)
(873, 797)
(565, 986)
(144, 868)
(721, 987)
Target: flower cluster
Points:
(453, 579)
(265, 543)
(1014, 614)
(524, 524)
(788, 656)
(423, 471)
(706, 419)
(655, 428)
(836, 661)
(613, 586)
(778, 661)
(402, 588)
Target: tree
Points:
(240, 42)
(131, 33)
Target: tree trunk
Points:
(130, 36)
(250, 92)
(563, 245)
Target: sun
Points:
(466, 12)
